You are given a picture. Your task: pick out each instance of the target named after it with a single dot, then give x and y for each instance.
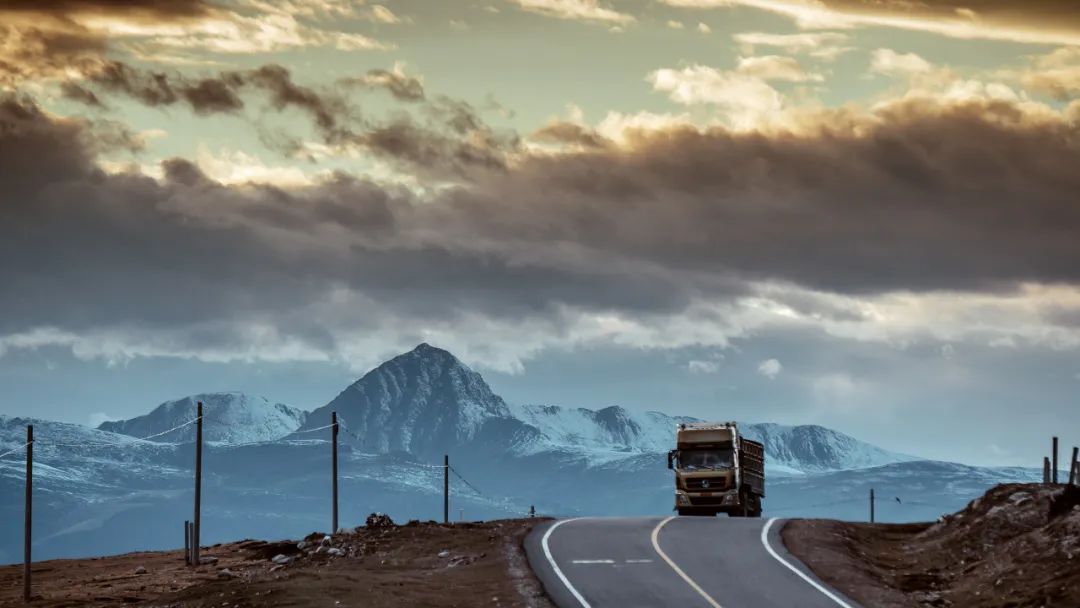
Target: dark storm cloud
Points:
(401, 86)
(325, 110)
(31, 52)
(570, 133)
(1034, 13)
(214, 95)
(81, 94)
(445, 138)
(46, 39)
(164, 9)
(85, 249)
(924, 195)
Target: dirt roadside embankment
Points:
(1017, 546)
(417, 564)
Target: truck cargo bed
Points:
(752, 459)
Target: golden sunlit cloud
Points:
(584, 10)
(1037, 21)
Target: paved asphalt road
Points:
(692, 562)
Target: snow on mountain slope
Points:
(62, 439)
(812, 448)
(71, 460)
(610, 429)
(609, 434)
(424, 402)
(228, 418)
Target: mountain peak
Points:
(424, 402)
(427, 352)
(229, 417)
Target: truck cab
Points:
(717, 470)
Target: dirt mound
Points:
(421, 564)
(1018, 545)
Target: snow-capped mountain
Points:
(424, 402)
(613, 432)
(105, 491)
(609, 429)
(810, 448)
(227, 418)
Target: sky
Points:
(853, 213)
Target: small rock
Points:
(302, 545)
(226, 573)
(326, 540)
(444, 553)
(335, 551)
(210, 559)
(281, 560)
(140, 570)
(379, 520)
(275, 569)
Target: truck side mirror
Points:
(671, 459)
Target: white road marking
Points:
(555, 567)
(765, 541)
(593, 561)
(639, 561)
(675, 567)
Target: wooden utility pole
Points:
(1072, 467)
(333, 430)
(1046, 469)
(1053, 471)
(446, 489)
(871, 505)
(195, 537)
(29, 510)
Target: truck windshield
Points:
(705, 459)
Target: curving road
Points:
(706, 562)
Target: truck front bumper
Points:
(706, 499)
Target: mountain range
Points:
(267, 474)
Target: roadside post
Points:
(1072, 466)
(1054, 469)
(446, 489)
(334, 434)
(871, 505)
(29, 510)
(195, 559)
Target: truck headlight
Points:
(682, 499)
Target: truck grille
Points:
(706, 501)
(706, 484)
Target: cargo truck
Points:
(717, 470)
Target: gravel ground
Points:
(1017, 546)
(417, 564)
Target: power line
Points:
(345, 427)
(466, 482)
(321, 428)
(122, 445)
(18, 449)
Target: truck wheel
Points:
(744, 509)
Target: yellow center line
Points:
(675, 567)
